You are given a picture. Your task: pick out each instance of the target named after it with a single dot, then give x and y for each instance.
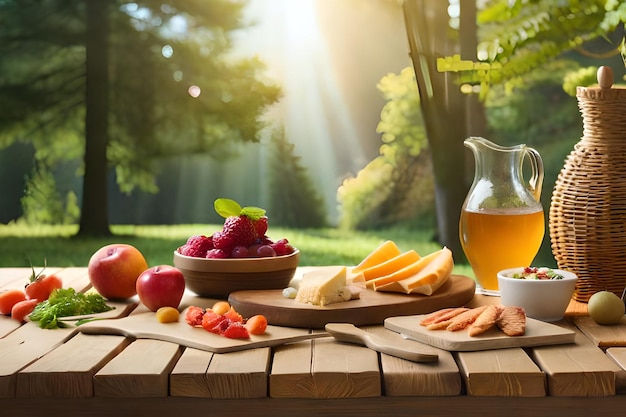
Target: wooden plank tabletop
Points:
(62, 372)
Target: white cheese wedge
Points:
(323, 286)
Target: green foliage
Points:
(397, 186)
(157, 50)
(42, 203)
(581, 76)
(294, 200)
(66, 302)
(516, 37)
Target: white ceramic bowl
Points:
(544, 300)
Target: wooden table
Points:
(45, 372)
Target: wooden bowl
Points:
(220, 277)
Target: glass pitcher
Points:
(502, 219)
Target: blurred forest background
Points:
(117, 112)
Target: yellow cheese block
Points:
(428, 280)
(324, 285)
(403, 271)
(390, 266)
(382, 253)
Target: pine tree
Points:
(294, 200)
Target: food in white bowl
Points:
(543, 293)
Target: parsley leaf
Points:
(65, 302)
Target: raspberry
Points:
(282, 247)
(237, 231)
(216, 254)
(223, 241)
(196, 246)
(260, 226)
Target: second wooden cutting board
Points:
(373, 307)
(538, 333)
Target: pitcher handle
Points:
(536, 178)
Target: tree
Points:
(397, 186)
(512, 39)
(517, 36)
(124, 84)
(443, 106)
(294, 200)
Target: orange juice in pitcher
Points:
(502, 220)
(496, 240)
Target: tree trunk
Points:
(94, 218)
(444, 112)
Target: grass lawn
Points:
(22, 245)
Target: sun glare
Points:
(314, 112)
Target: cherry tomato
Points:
(256, 324)
(41, 286)
(9, 298)
(221, 307)
(22, 309)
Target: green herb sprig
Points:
(65, 302)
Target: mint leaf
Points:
(254, 213)
(226, 207)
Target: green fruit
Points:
(606, 308)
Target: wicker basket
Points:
(587, 219)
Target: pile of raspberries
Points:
(241, 237)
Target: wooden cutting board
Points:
(373, 307)
(603, 336)
(538, 333)
(146, 326)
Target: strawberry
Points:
(260, 226)
(237, 231)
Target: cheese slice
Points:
(428, 280)
(391, 265)
(324, 285)
(387, 250)
(406, 271)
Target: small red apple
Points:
(161, 286)
(113, 270)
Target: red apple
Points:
(114, 269)
(161, 286)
